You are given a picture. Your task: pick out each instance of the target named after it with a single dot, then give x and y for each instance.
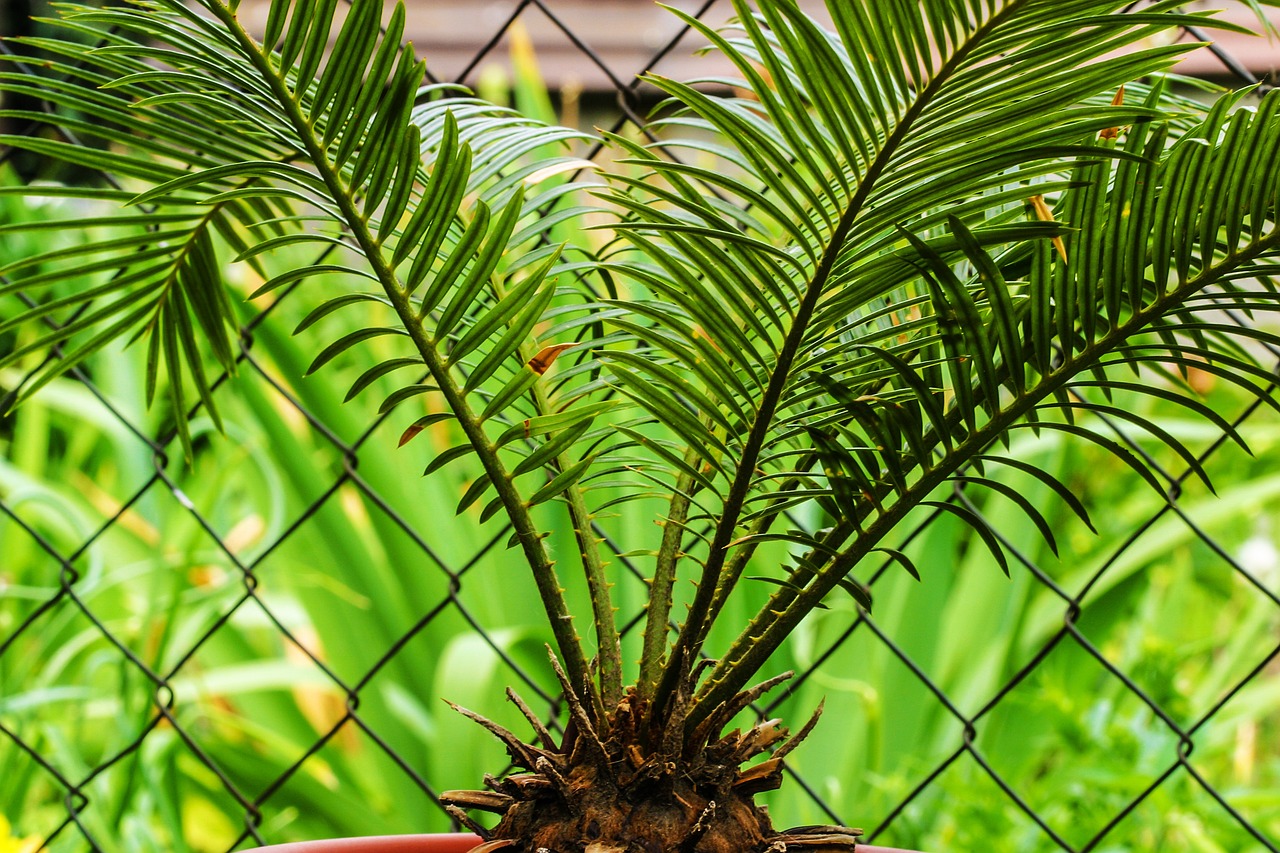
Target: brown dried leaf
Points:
(410, 434)
(1113, 132)
(463, 818)
(485, 801)
(546, 357)
(765, 776)
(781, 752)
(522, 753)
(538, 728)
(1045, 214)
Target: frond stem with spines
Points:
(658, 613)
(693, 633)
(602, 610)
(530, 538)
(780, 616)
(738, 560)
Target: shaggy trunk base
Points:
(641, 787)
(602, 820)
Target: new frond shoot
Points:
(818, 296)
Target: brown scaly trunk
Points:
(642, 787)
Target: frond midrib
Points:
(710, 587)
(527, 534)
(786, 607)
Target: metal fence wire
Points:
(167, 630)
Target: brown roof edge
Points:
(623, 35)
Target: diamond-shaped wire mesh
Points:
(252, 648)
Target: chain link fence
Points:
(251, 647)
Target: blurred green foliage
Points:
(187, 598)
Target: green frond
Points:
(914, 192)
(238, 150)
(829, 295)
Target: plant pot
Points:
(441, 842)
(450, 842)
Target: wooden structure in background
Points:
(624, 34)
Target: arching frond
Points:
(828, 295)
(858, 279)
(420, 199)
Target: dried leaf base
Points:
(636, 790)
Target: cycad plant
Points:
(796, 313)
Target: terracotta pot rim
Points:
(440, 842)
